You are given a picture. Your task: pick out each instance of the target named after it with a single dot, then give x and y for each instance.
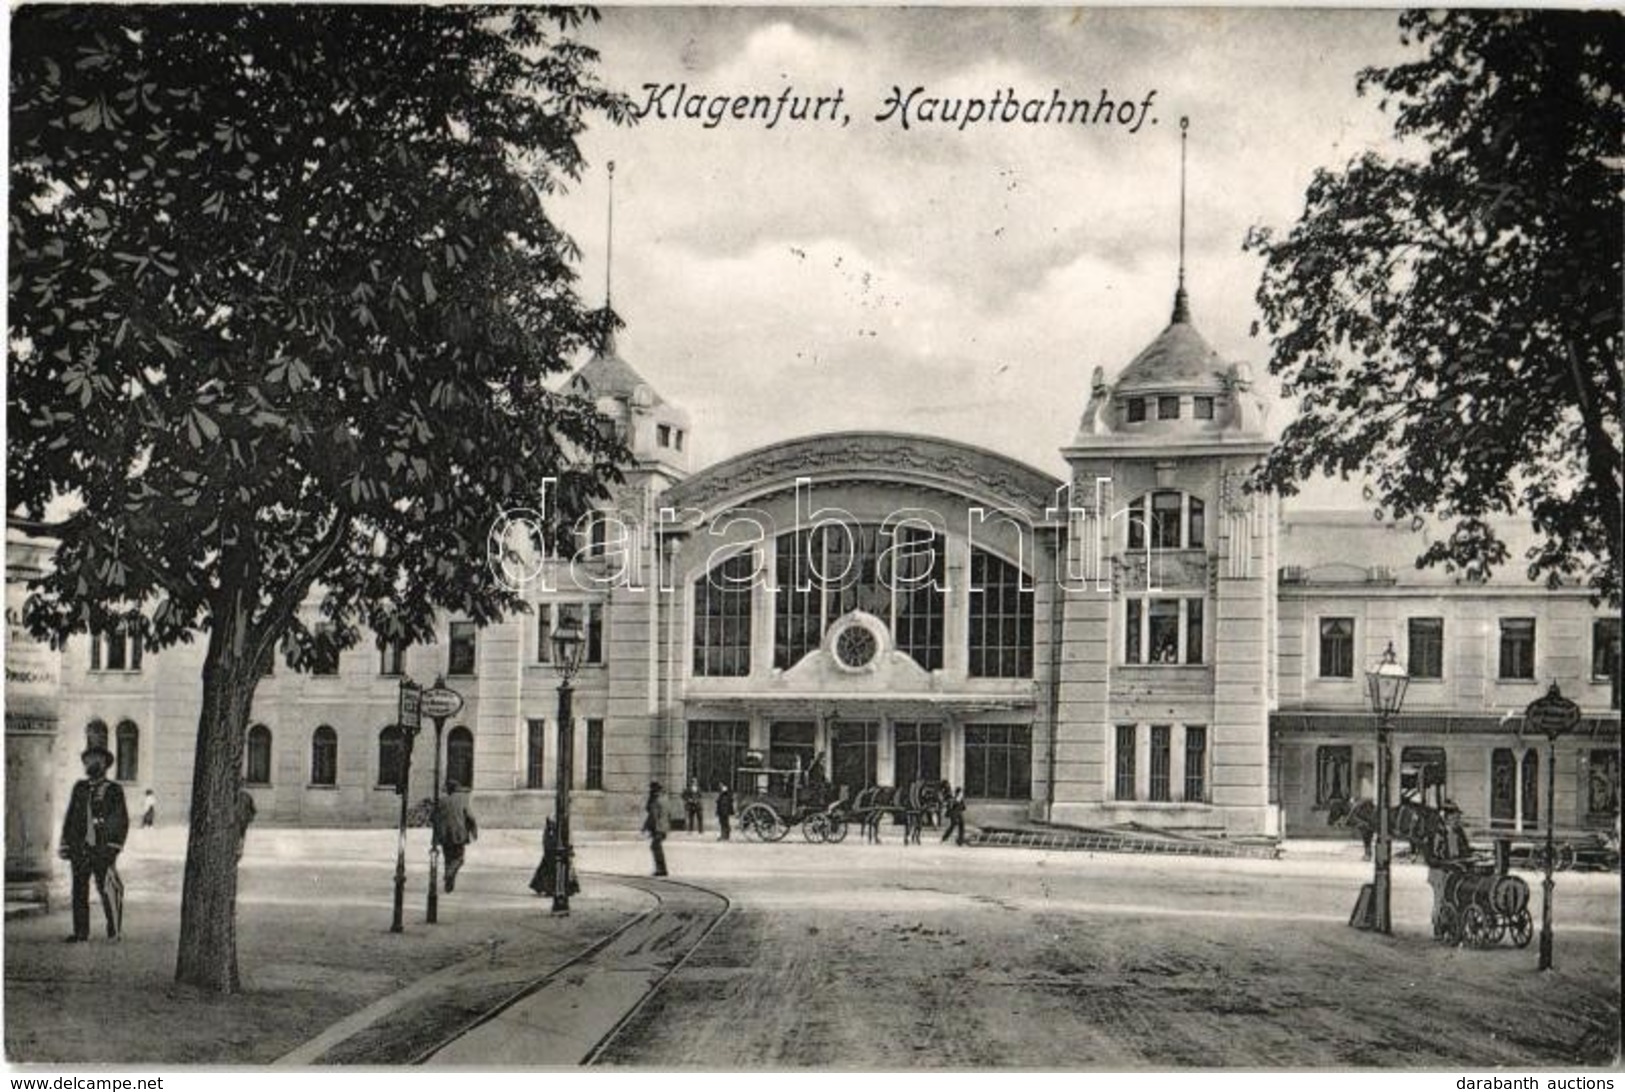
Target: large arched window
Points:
(324, 756)
(391, 749)
(460, 757)
(722, 617)
(127, 752)
(1172, 520)
(257, 758)
(896, 574)
(1001, 619)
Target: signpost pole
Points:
(1552, 716)
(406, 720)
(439, 703)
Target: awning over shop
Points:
(1363, 724)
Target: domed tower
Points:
(1170, 603)
(656, 431)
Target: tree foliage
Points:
(1450, 318)
(284, 294)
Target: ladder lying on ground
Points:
(1119, 841)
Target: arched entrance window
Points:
(324, 756)
(460, 757)
(127, 751)
(257, 757)
(390, 750)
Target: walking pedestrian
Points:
(657, 824)
(725, 811)
(455, 828)
(93, 833)
(544, 880)
(149, 808)
(956, 818)
(693, 808)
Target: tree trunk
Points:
(207, 955)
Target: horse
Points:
(1415, 823)
(908, 805)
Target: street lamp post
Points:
(568, 641)
(409, 720)
(1552, 716)
(1386, 683)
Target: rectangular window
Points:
(1202, 407)
(1164, 631)
(1135, 514)
(595, 754)
(1001, 619)
(1136, 409)
(392, 659)
(1124, 787)
(998, 761)
(326, 658)
(544, 633)
(535, 752)
(1131, 632)
(1425, 647)
(918, 751)
(594, 633)
(722, 609)
(1161, 762)
(460, 661)
(1168, 407)
(1334, 774)
(716, 748)
(1165, 510)
(1197, 538)
(1193, 631)
(1517, 648)
(117, 649)
(1196, 764)
(1605, 648)
(679, 439)
(1422, 779)
(663, 435)
(854, 755)
(918, 560)
(1602, 785)
(1337, 648)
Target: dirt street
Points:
(880, 957)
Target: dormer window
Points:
(1168, 407)
(1202, 407)
(663, 435)
(1136, 410)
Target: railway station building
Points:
(1127, 637)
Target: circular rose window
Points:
(855, 646)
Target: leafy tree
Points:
(283, 298)
(1450, 317)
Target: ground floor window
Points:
(1196, 763)
(918, 752)
(791, 744)
(460, 757)
(390, 750)
(535, 752)
(257, 759)
(324, 756)
(127, 748)
(716, 748)
(1422, 777)
(1602, 786)
(1334, 774)
(998, 761)
(1123, 789)
(1161, 762)
(595, 754)
(855, 747)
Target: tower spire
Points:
(1182, 303)
(609, 236)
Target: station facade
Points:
(1135, 639)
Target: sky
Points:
(961, 283)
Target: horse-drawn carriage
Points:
(1476, 904)
(775, 800)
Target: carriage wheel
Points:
(837, 829)
(815, 828)
(1447, 925)
(759, 821)
(1475, 927)
(1522, 927)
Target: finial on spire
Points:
(1182, 303)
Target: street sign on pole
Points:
(440, 703)
(411, 706)
(1551, 716)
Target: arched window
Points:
(1001, 619)
(1172, 520)
(896, 573)
(257, 758)
(127, 751)
(324, 756)
(460, 757)
(722, 617)
(390, 752)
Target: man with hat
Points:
(657, 824)
(92, 835)
(455, 826)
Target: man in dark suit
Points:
(93, 833)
